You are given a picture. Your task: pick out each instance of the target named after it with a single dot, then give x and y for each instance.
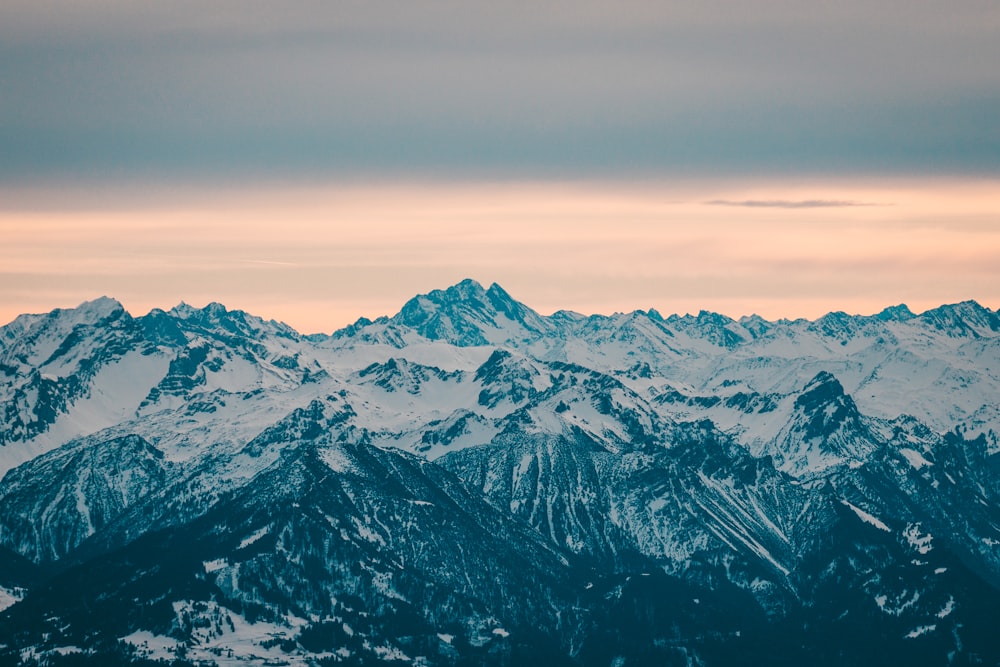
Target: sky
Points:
(316, 161)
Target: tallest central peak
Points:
(466, 314)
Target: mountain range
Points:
(471, 482)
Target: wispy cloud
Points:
(788, 203)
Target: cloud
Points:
(180, 88)
(786, 203)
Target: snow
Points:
(866, 517)
(900, 603)
(82, 508)
(254, 536)
(921, 630)
(116, 391)
(391, 653)
(366, 533)
(918, 541)
(337, 459)
(523, 466)
(948, 608)
(215, 565)
(728, 518)
(915, 458)
(155, 646)
(222, 636)
(10, 596)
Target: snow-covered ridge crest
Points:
(74, 371)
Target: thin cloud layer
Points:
(784, 203)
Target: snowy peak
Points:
(465, 314)
(36, 339)
(826, 430)
(402, 375)
(217, 320)
(50, 360)
(514, 310)
(510, 378)
(93, 312)
(717, 329)
(824, 388)
(900, 313)
(837, 325)
(967, 318)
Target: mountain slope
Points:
(471, 482)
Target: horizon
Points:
(392, 313)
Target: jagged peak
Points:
(466, 314)
(101, 304)
(569, 316)
(503, 361)
(756, 325)
(835, 316)
(423, 306)
(464, 290)
(968, 305)
(213, 313)
(496, 360)
(494, 290)
(392, 365)
(967, 308)
(215, 316)
(91, 311)
(703, 317)
(899, 313)
(963, 318)
(824, 380)
(823, 398)
(708, 316)
(718, 329)
(185, 310)
(468, 285)
(504, 303)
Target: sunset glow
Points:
(320, 257)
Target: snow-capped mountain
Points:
(469, 481)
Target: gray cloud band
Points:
(784, 203)
(588, 88)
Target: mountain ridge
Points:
(469, 481)
(898, 312)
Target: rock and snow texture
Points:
(471, 480)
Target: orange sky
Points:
(318, 257)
